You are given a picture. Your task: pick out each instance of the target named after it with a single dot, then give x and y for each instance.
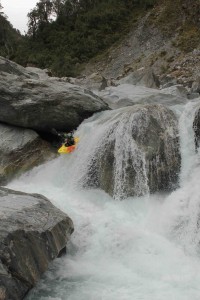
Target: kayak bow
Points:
(63, 149)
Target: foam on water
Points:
(142, 248)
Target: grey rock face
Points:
(45, 104)
(138, 152)
(196, 86)
(167, 80)
(192, 96)
(20, 149)
(39, 73)
(7, 66)
(196, 127)
(176, 90)
(127, 95)
(142, 77)
(32, 234)
(94, 82)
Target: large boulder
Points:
(128, 95)
(32, 233)
(20, 150)
(136, 151)
(43, 104)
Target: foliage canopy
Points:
(64, 34)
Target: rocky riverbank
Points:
(138, 127)
(33, 232)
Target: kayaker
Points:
(69, 139)
(66, 138)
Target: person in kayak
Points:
(69, 139)
(65, 138)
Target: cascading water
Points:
(103, 159)
(144, 247)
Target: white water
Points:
(138, 249)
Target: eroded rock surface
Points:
(43, 104)
(20, 150)
(142, 77)
(7, 66)
(32, 234)
(128, 95)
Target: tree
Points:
(39, 16)
(1, 7)
(57, 6)
(32, 22)
(45, 9)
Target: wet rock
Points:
(45, 104)
(40, 73)
(193, 96)
(176, 90)
(20, 150)
(167, 80)
(196, 86)
(138, 152)
(32, 234)
(142, 77)
(127, 95)
(95, 82)
(196, 127)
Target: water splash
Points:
(104, 159)
(131, 151)
(143, 248)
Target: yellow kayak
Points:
(63, 149)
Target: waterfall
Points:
(183, 206)
(106, 153)
(144, 247)
(128, 152)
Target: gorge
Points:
(119, 217)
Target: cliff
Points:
(166, 38)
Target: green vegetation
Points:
(179, 19)
(64, 34)
(9, 37)
(189, 38)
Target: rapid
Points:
(141, 248)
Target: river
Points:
(141, 248)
